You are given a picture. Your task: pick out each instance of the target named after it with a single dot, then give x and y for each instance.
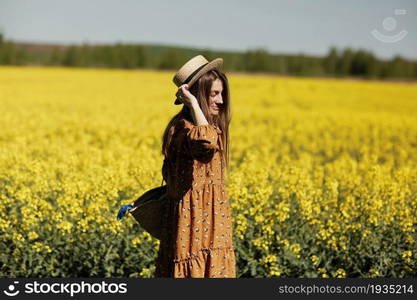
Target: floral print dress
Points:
(197, 239)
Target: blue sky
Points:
(292, 26)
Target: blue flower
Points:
(123, 210)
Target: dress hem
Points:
(194, 257)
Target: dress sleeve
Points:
(202, 141)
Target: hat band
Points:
(193, 73)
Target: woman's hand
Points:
(188, 99)
(184, 95)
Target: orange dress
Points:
(197, 239)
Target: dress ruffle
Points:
(209, 262)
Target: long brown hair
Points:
(201, 90)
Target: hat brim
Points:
(215, 63)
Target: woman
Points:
(197, 223)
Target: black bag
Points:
(148, 210)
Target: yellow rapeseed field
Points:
(323, 179)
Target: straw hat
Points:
(193, 69)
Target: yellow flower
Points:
(65, 227)
(295, 248)
(374, 273)
(40, 247)
(270, 258)
(274, 271)
(340, 273)
(315, 260)
(406, 255)
(136, 241)
(32, 235)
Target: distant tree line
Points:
(337, 63)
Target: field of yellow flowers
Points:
(323, 179)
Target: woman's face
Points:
(215, 97)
